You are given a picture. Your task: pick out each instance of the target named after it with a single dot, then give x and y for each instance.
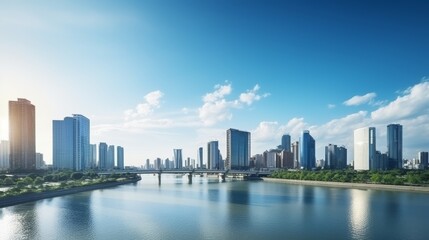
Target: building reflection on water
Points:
(358, 213)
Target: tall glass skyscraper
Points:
(365, 149)
(111, 157)
(177, 158)
(71, 147)
(120, 157)
(102, 156)
(237, 149)
(335, 157)
(394, 146)
(307, 148)
(4, 155)
(93, 155)
(22, 135)
(286, 142)
(200, 157)
(213, 155)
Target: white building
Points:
(364, 148)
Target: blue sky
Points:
(158, 75)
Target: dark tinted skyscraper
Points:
(213, 155)
(22, 135)
(286, 142)
(307, 148)
(177, 158)
(102, 156)
(200, 157)
(237, 149)
(120, 157)
(394, 145)
(335, 157)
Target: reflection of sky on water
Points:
(358, 213)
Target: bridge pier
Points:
(190, 178)
(222, 176)
(159, 179)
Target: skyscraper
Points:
(111, 157)
(22, 135)
(93, 155)
(394, 146)
(39, 161)
(4, 155)
(423, 159)
(307, 156)
(213, 155)
(364, 149)
(286, 142)
(177, 158)
(200, 157)
(120, 157)
(335, 157)
(237, 149)
(71, 148)
(102, 156)
(295, 151)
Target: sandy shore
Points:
(351, 185)
(15, 200)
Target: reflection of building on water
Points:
(358, 213)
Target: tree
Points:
(38, 181)
(76, 175)
(8, 181)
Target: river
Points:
(209, 209)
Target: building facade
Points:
(120, 158)
(335, 157)
(237, 149)
(364, 149)
(394, 146)
(286, 142)
(307, 149)
(111, 157)
(22, 135)
(93, 156)
(423, 159)
(71, 148)
(200, 157)
(4, 155)
(213, 156)
(177, 158)
(102, 156)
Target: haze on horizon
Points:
(153, 76)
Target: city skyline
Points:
(151, 78)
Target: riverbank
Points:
(30, 197)
(350, 185)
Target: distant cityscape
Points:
(73, 150)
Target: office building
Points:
(22, 135)
(286, 142)
(365, 149)
(287, 159)
(111, 157)
(237, 149)
(295, 151)
(177, 158)
(423, 159)
(40, 163)
(200, 157)
(307, 148)
(271, 158)
(335, 157)
(71, 148)
(102, 156)
(213, 158)
(120, 158)
(394, 146)
(93, 156)
(4, 155)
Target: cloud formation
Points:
(216, 108)
(359, 100)
(151, 102)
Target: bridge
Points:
(191, 172)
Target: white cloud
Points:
(265, 131)
(152, 101)
(359, 100)
(216, 108)
(413, 102)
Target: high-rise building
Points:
(237, 149)
(93, 156)
(39, 161)
(335, 157)
(120, 157)
(177, 158)
(111, 157)
(147, 165)
(71, 148)
(271, 158)
(287, 159)
(364, 149)
(286, 142)
(295, 151)
(307, 156)
(423, 159)
(167, 163)
(200, 157)
(213, 155)
(394, 145)
(4, 155)
(102, 156)
(22, 135)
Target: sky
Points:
(157, 75)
